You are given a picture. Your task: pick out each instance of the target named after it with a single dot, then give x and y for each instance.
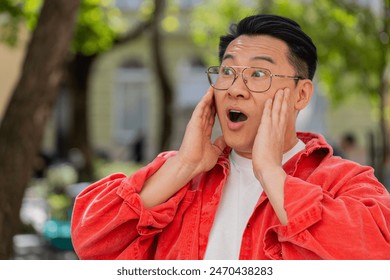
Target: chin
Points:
(239, 144)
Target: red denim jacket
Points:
(336, 210)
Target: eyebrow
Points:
(261, 57)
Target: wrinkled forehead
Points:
(262, 48)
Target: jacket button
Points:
(248, 225)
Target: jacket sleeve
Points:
(109, 220)
(340, 211)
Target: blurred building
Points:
(125, 99)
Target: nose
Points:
(239, 89)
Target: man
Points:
(260, 191)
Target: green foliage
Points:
(346, 35)
(99, 23)
(31, 10)
(171, 22)
(59, 206)
(212, 19)
(146, 9)
(12, 13)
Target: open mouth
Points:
(237, 116)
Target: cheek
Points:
(255, 123)
(259, 108)
(220, 114)
(219, 107)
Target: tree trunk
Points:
(29, 108)
(78, 74)
(162, 77)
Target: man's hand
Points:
(269, 143)
(196, 154)
(268, 151)
(196, 149)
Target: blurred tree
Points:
(30, 106)
(352, 40)
(163, 79)
(100, 27)
(103, 24)
(354, 55)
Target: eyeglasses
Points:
(256, 79)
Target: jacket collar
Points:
(316, 150)
(316, 146)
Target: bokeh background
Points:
(93, 87)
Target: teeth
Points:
(237, 116)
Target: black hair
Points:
(302, 51)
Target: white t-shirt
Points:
(239, 198)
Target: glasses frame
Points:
(208, 72)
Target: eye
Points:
(227, 71)
(258, 73)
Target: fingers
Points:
(283, 104)
(269, 142)
(266, 118)
(205, 105)
(208, 106)
(203, 116)
(275, 110)
(208, 98)
(277, 104)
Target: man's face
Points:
(256, 51)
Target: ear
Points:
(305, 92)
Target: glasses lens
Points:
(221, 77)
(257, 79)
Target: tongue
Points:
(237, 117)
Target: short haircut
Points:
(302, 51)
